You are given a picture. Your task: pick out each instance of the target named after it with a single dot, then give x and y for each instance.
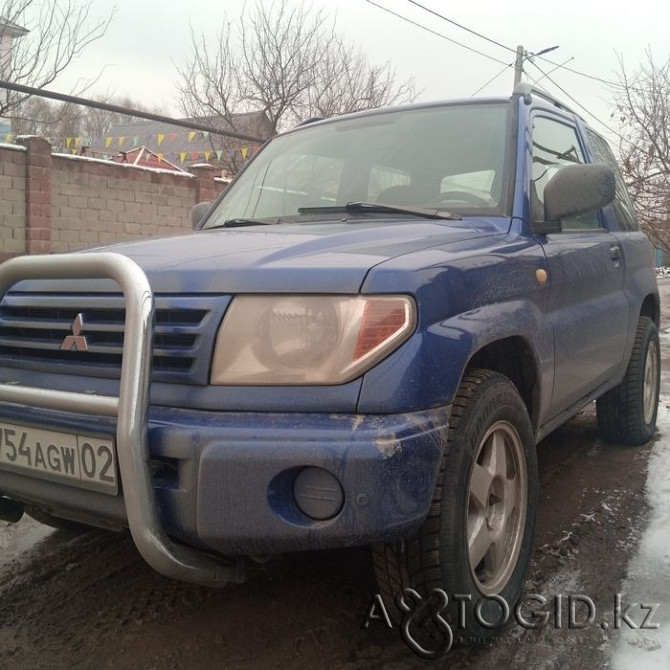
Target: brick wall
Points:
(12, 201)
(56, 203)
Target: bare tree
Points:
(346, 82)
(57, 32)
(288, 62)
(643, 105)
(59, 121)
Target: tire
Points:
(55, 522)
(627, 413)
(488, 415)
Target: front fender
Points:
(426, 371)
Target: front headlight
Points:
(293, 340)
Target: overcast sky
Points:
(147, 37)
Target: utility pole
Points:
(518, 65)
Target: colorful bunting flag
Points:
(136, 140)
(191, 135)
(172, 137)
(108, 141)
(207, 155)
(244, 151)
(219, 153)
(121, 141)
(68, 142)
(182, 157)
(161, 137)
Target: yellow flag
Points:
(191, 135)
(74, 152)
(77, 140)
(121, 141)
(108, 141)
(161, 137)
(160, 157)
(207, 155)
(8, 137)
(182, 157)
(68, 142)
(245, 151)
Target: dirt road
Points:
(90, 602)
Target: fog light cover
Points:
(318, 493)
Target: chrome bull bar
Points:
(130, 409)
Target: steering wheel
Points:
(463, 196)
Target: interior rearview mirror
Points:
(574, 190)
(198, 212)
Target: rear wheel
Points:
(627, 413)
(477, 539)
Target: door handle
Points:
(615, 253)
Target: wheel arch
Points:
(513, 357)
(651, 308)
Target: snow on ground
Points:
(648, 579)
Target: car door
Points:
(584, 297)
(622, 221)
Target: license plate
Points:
(80, 460)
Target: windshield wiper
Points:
(241, 223)
(381, 207)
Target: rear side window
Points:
(623, 206)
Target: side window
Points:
(556, 145)
(623, 206)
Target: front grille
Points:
(33, 327)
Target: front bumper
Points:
(218, 481)
(224, 481)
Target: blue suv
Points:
(361, 343)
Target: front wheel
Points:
(627, 413)
(477, 541)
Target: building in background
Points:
(182, 147)
(8, 33)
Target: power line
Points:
(535, 81)
(460, 25)
(508, 48)
(490, 81)
(191, 125)
(433, 32)
(583, 74)
(590, 113)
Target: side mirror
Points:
(198, 212)
(574, 190)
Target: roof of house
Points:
(146, 158)
(165, 138)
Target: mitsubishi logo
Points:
(75, 342)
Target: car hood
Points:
(307, 258)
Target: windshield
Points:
(451, 157)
